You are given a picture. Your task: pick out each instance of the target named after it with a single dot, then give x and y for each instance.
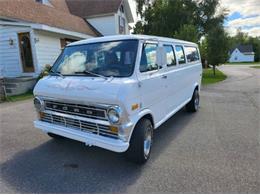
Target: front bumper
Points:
(115, 145)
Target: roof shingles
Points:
(87, 8)
(31, 11)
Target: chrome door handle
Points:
(164, 76)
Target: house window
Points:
(45, 2)
(121, 22)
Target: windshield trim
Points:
(130, 75)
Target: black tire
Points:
(136, 151)
(55, 136)
(193, 105)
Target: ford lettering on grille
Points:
(76, 109)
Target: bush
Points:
(45, 71)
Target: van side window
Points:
(180, 54)
(191, 53)
(148, 58)
(170, 56)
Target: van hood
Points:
(78, 88)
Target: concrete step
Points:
(19, 85)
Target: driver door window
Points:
(148, 58)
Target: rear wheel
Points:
(141, 142)
(193, 105)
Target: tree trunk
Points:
(214, 70)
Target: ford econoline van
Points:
(113, 92)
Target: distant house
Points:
(242, 53)
(109, 17)
(33, 33)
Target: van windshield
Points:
(115, 58)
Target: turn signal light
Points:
(113, 129)
(135, 106)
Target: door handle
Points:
(164, 76)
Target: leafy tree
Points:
(175, 18)
(187, 32)
(217, 46)
(203, 46)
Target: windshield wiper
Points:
(56, 74)
(91, 73)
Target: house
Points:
(109, 17)
(242, 53)
(34, 32)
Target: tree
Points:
(217, 46)
(186, 19)
(203, 46)
(187, 32)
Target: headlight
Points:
(114, 114)
(38, 104)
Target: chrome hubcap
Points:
(147, 141)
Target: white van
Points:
(114, 91)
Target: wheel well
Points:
(149, 117)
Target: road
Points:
(213, 151)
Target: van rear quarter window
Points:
(192, 54)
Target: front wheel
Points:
(141, 142)
(193, 105)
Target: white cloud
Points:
(249, 22)
(244, 7)
(255, 31)
(245, 22)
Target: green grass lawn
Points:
(209, 78)
(255, 66)
(242, 63)
(15, 98)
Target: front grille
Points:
(76, 109)
(78, 124)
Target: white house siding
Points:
(47, 47)
(105, 24)
(237, 56)
(10, 62)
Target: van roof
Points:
(127, 37)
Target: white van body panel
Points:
(158, 93)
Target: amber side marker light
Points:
(135, 106)
(113, 129)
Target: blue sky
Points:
(244, 14)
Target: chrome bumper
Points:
(90, 139)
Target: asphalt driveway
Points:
(213, 151)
